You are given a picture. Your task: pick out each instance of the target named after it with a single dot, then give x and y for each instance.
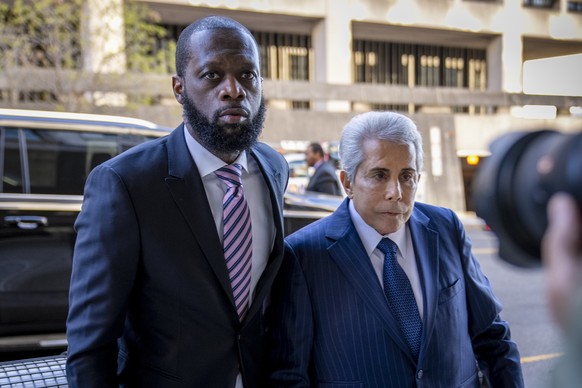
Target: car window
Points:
(10, 165)
(56, 161)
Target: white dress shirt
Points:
(258, 199)
(406, 256)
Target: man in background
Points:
(324, 179)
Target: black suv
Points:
(45, 158)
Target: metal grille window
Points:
(539, 3)
(286, 57)
(419, 65)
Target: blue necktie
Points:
(400, 296)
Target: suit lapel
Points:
(187, 189)
(350, 256)
(426, 250)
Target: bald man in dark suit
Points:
(152, 302)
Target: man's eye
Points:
(211, 75)
(248, 75)
(379, 176)
(407, 177)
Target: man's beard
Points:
(227, 138)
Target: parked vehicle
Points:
(299, 172)
(302, 209)
(45, 158)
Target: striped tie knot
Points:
(230, 174)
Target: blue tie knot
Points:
(387, 246)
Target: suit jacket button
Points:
(419, 374)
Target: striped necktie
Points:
(237, 236)
(400, 296)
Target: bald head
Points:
(183, 48)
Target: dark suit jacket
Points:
(149, 270)
(333, 326)
(324, 180)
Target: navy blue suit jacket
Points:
(150, 301)
(333, 326)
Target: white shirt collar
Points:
(370, 237)
(205, 160)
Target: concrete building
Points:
(457, 67)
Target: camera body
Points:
(513, 186)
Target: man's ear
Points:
(178, 88)
(346, 183)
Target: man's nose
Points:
(393, 190)
(231, 89)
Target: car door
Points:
(43, 173)
(39, 201)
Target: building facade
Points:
(455, 66)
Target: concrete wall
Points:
(509, 32)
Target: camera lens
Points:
(514, 184)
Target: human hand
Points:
(562, 256)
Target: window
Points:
(286, 57)
(10, 165)
(56, 162)
(419, 65)
(539, 3)
(59, 161)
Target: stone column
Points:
(332, 41)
